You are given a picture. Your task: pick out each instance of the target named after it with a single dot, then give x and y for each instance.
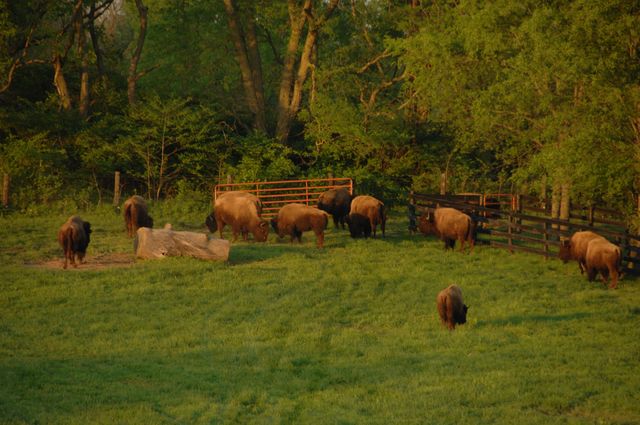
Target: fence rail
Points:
(275, 194)
(517, 227)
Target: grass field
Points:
(293, 334)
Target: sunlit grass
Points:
(294, 334)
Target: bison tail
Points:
(472, 231)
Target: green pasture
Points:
(293, 334)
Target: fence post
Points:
(545, 238)
(116, 189)
(411, 213)
(5, 191)
(443, 183)
(510, 231)
(306, 191)
(591, 214)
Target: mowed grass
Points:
(293, 334)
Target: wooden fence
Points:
(274, 195)
(522, 224)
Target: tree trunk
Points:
(565, 202)
(61, 84)
(555, 202)
(83, 104)
(288, 102)
(95, 41)
(248, 60)
(296, 21)
(133, 65)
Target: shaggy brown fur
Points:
(605, 258)
(449, 225)
(293, 219)
(336, 202)
(451, 308)
(575, 248)
(74, 238)
(368, 207)
(241, 211)
(359, 225)
(136, 215)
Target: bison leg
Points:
(320, 239)
(461, 245)
(235, 229)
(582, 265)
(614, 279)
(591, 273)
(336, 221)
(604, 276)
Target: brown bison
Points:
(365, 214)
(575, 248)
(293, 219)
(336, 202)
(74, 238)
(241, 210)
(449, 225)
(136, 215)
(451, 308)
(605, 258)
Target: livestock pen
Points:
(522, 224)
(275, 194)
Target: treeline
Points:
(525, 96)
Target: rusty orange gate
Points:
(274, 195)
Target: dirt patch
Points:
(93, 262)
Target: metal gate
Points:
(274, 195)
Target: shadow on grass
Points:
(520, 319)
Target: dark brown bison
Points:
(240, 210)
(136, 215)
(451, 308)
(210, 222)
(605, 258)
(449, 225)
(575, 248)
(74, 238)
(365, 214)
(336, 202)
(293, 219)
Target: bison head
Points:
(462, 317)
(210, 222)
(565, 250)
(426, 224)
(261, 231)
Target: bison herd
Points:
(363, 214)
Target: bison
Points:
(605, 258)
(575, 248)
(336, 202)
(136, 215)
(365, 214)
(241, 210)
(451, 308)
(449, 225)
(293, 219)
(74, 238)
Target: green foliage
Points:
(293, 334)
(261, 159)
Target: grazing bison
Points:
(74, 238)
(451, 308)
(365, 214)
(575, 248)
(336, 202)
(240, 210)
(605, 258)
(293, 219)
(449, 225)
(136, 214)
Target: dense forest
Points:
(536, 97)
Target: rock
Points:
(160, 243)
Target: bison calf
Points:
(74, 238)
(449, 225)
(451, 308)
(136, 215)
(293, 219)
